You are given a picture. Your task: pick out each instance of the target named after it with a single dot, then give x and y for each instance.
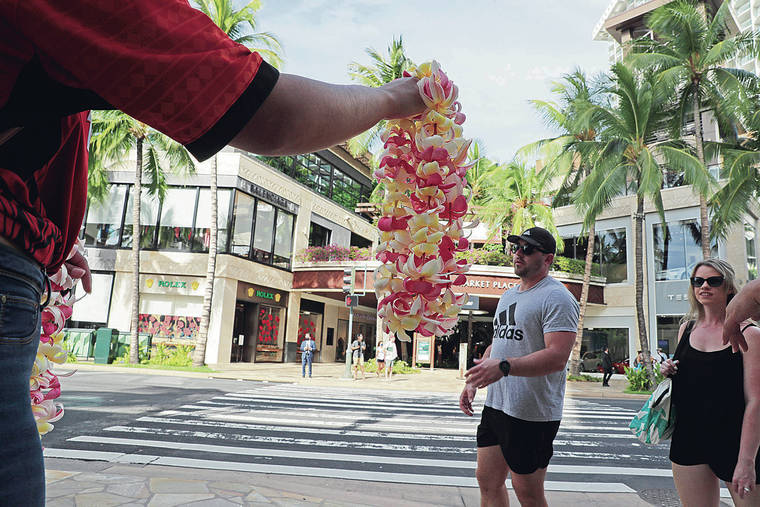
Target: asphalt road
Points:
(332, 432)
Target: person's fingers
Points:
(78, 264)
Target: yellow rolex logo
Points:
(277, 298)
(250, 293)
(194, 285)
(149, 282)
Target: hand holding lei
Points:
(423, 168)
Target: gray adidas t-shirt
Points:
(522, 319)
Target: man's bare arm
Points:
(303, 115)
(543, 362)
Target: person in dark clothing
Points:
(716, 396)
(607, 367)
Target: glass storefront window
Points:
(103, 225)
(610, 253)
(202, 232)
(594, 341)
(283, 239)
(318, 235)
(677, 254)
(749, 241)
(242, 227)
(613, 253)
(176, 225)
(148, 217)
(264, 231)
(323, 177)
(667, 332)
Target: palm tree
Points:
(378, 73)
(240, 25)
(631, 160)
(516, 199)
(114, 135)
(567, 158)
(479, 173)
(740, 172)
(691, 53)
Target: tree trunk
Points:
(641, 321)
(134, 341)
(704, 225)
(575, 355)
(199, 355)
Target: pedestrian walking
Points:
(661, 356)
(308, 348)
(524, 369)
(716, 396)
(391, 353)
(380, 358)
(606, 367)
(191, 82)
(357, 356)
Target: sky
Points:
(500, 53)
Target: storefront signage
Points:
(182, 285)
(267, 195)
(671, 297)
(272, 296)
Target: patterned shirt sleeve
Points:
(161, 62)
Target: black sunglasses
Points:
(526, 248)
(712, 281)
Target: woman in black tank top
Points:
(717, 431)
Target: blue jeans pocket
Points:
(19, 316)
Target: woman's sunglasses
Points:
(526, 249)
(712, 281)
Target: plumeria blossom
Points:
(44, 386)
(423, 168)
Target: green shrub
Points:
(370, 366)
(638, 380)
(164, 355)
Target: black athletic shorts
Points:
(526, 445)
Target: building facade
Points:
(266, 213)
(668, 259)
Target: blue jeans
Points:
(306, 359)
(22, 471)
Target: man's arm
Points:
(301, 115)
(745, 305)
(542, 362)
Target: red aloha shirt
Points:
(160, 61)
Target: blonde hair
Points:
(696, 310)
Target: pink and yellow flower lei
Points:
(44, 385)
(423, 167)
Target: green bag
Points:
(656, 419)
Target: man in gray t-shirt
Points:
(524, 368)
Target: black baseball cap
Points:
(538, 237)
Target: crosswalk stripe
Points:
(294, 430)
(283, 453)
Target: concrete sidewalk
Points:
(96, 484)
(438, 380)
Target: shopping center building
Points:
(266, 296)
